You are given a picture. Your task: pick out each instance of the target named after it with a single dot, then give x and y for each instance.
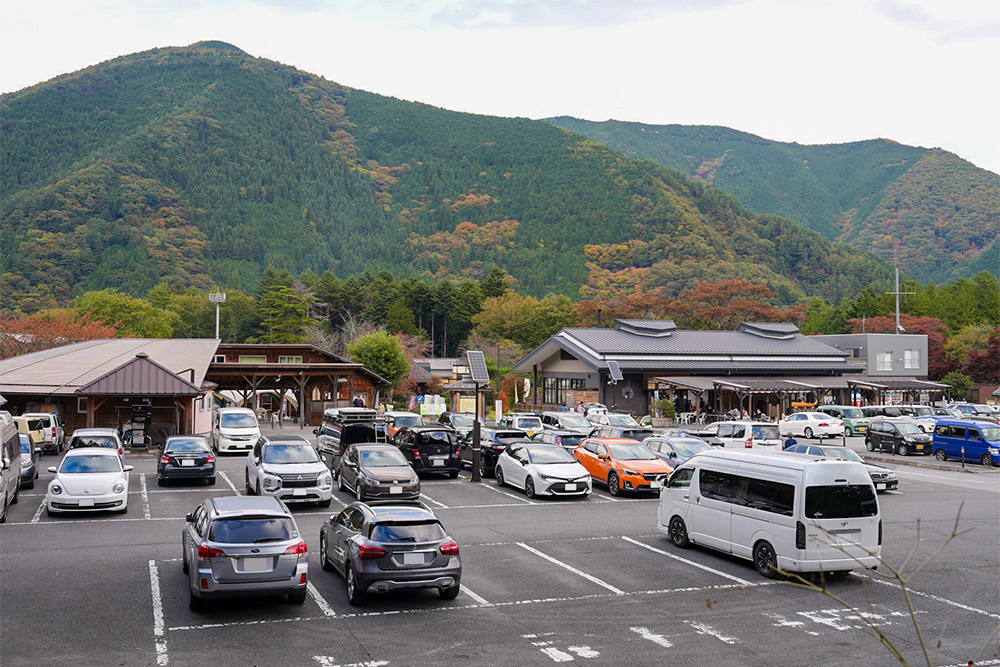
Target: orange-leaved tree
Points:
(20, 334)
(728, 303)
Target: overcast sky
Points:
(921, 72)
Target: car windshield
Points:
(570, 420)
(688, 448)
(529, 422)
(90, 463)
(253, 530)
(238, 421)
(990, 433)
(907, 428)
(281, 453)
(853, 413)
(768, 432)
(462, 421)
(192, 445)
(631, 452)
(922, 411)
(621, 420)
(840, 502)
(383, 458)
(393, 531)
(94, 441)
(841, 453)
(407, 420)
(549, 455)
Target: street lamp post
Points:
(217, 298)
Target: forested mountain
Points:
(939, 211)
(202, 165)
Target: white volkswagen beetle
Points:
(544, 470)
(88, 479)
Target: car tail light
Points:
(416, 453)
(164, 459)
(297, 549)
(204, 584)
(749, 443)
(204, 553)
(800, 535)
(210, 459)
(450, 548)
(302, 579)
(121, 450)
(371, 552)
(458, 451)
(824, 424)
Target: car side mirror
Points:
(189, 517)
(4, 464)
(51, 469)
(128, 468)
(316, 431)
(603, 457)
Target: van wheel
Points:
(678, 533)
(902, 449)
(765, 560)
(869, 445)
(297, 598)
(17, 491)
(808, 432)
(613, 487)
(987, 460)
(197, 604)
(941, 455)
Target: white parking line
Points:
(877, 580)
(320, 600)
(555, 561)
(145, 496)
(330, 661)
(509, 495)
(158, 631)
(228, 481)
(705, 629)
(743, 582)
(475, 596)
(38, 513)
(426, 497)
(648, 634)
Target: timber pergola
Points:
(881, 386)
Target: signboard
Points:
(217, 297)
(431, 409)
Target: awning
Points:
(897, 384)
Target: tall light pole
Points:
(217, 298)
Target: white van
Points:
(234, 430)
(10, 463)
(747, 434)
(785, 512)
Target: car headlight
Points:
(583, 479)
(544, 478)
(55, 489)
(994, 451)
(630, 472)
(271, 482)
(326, 480)
(891, 475)
(118, 487)
(370, 481)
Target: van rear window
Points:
(840, 502)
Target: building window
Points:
(911, 359)
(253, 358)
(290, 360)
(883, 361)
(554, 390)
(81, 405)
(219, 359)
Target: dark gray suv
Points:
(236, 546)
(379, 547)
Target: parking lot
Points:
(576, 581)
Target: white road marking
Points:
(38, 513)
(705, 629)
(475, 596)
(76, 521)
(509, 495)
(588, 577)
(929, 595)
(330, 661)
(320, 600)
(646, 633)
(158, 633)
(228, 481)
(742, 582)
(782, 622)
(145, 496)
(584, 651)
(426, 497)
(557, 655)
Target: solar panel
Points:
(477, 364)
(616, 371)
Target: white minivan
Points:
(747, 434)
(785, 512)
(234, 429)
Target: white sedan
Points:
(542, 470)
(89, 478)
(811, 424)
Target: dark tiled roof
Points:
(726, 366)
(616, 341)
(647, 327)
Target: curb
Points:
(972, 467)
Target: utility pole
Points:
(899, 327)
(217, 298)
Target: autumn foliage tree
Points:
(21, 335)
(938, 363)
(728, 303)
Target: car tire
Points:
(679, 533)
(869, 445)
(48, 512)
(484, 466)
(453, 474)
(160, 481)
(249, 488)
(31, 483)
(529, 487)
(902, 449)
(613, 484)
(987, 460)
(848, 432)
(941, 455)
(197, 604)
(499, 476)
(324, 557)
(355, 596)
(324, 503)
(807, 432)
(766, 560)
(297, 597)
(340, 483)
(450, 593)
(17, 493)
(359, 492)
(123, 510)
(257, 491)
(211, 480)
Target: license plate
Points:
(86, 502)
(437, 462)
(655, 485)
(187, 462)
(299, 492)
(395, 489)
(255, 564)
(570, 487)
(413, 559)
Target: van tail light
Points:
(302, 579)
(204, 553)
(458, 451)
(370, 552)
(416, 453)
(749, 443)
(450, 548)
(800, 535)
(165, 459)
(880, 532)
(204, 584)
(297, 549)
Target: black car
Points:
(460, 421)
(430, 448)
(186, 457)
(902, 437)
(493, 440)
(568, 440)
(379, 547)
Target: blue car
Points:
(964, 439)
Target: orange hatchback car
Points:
(622, 464)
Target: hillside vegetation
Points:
(202, 165)
(940, 213)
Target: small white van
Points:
(234, 430)
(10, 463)
(747, 434)
(785, 512)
